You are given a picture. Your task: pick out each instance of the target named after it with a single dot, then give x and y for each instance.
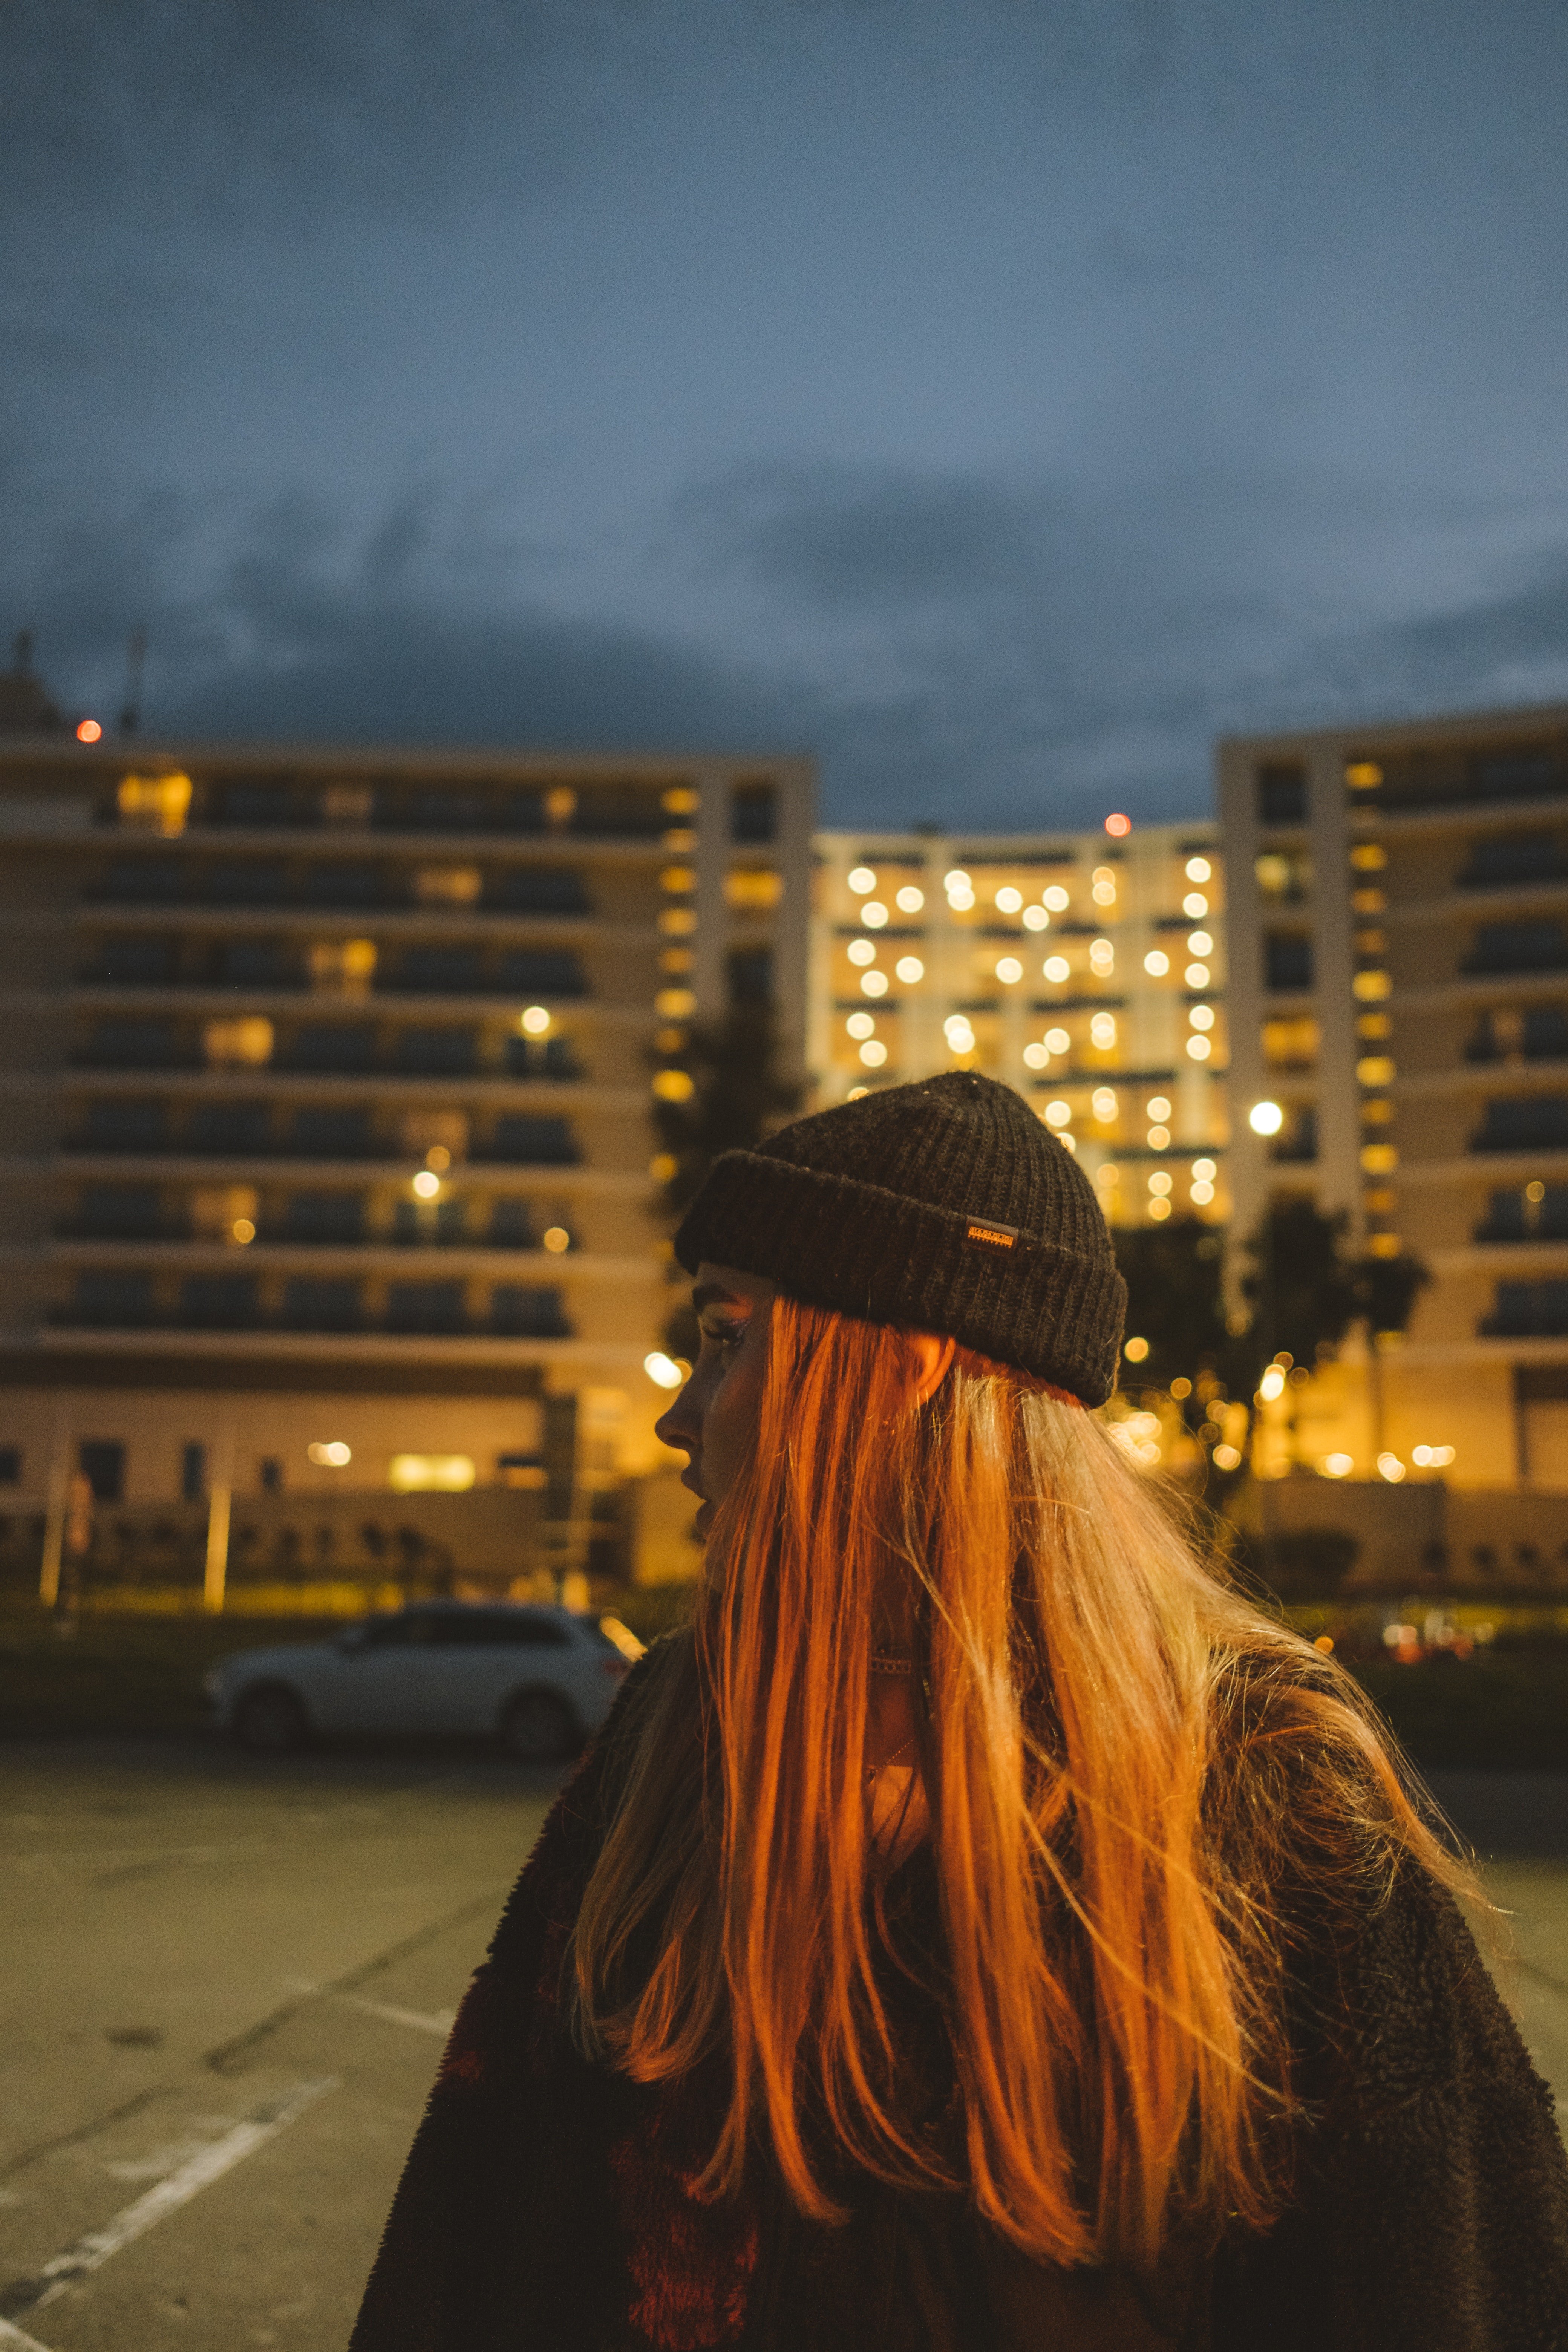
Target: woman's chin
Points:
(703, 1521)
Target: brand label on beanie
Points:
(988, 1235)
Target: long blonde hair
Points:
(1122, 1759)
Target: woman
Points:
(982, 1929)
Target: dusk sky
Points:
(997, 398)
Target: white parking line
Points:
(17, 2342)
(438, 2020)
(177, 2188)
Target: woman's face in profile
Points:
(714, 1418)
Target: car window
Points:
(499, 1629)
(387, 1634)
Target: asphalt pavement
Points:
(223, 1990)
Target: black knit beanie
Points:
(944, 1205)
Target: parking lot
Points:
(225, 1989)
(225, 1983)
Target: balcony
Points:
(1528, 1310)
(117, 1300)
(1513, 858)
(1517, 947)
(1538, 1034)
(340, 886)
(1520, 772)
(1516, 1216)
(247, 1132)
(344, 1049)
(1524, 1123)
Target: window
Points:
(538, 890)
(269, 1475)
(132, 1045)
(333, 1045)
(219, 1302)
(751, 974)
(1282, 792)
(228, 1130)
(752, 889)
(323, 1217)
(144, 962)
(1287, 962)
(1291, 1045)
(193, 1470)
(472, 1629)
(101, 1461)
(112, 1300)
(534, 1142)
(753, 813)
(1519, 947)
(339, 1134)
(126, 1126)
(541, 971)
(527, 1311)
(314, 1304)
(426, 1306)
(441, 972)
(10, 1465)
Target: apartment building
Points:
(1087, 970)
(326, 1076)
(1399, 990)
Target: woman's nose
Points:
(675, 1426)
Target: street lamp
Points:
(1266, 1118)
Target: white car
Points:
(539, 1680)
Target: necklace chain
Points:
(891, 1662)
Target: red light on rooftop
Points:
(1117, 825)
(88, 732)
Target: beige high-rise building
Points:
(1399, 989)
(326, 1076)
(1087, 970)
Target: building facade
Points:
(1399, 988)
(1088, 970)
(326, 1077)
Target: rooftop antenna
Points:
(135, 663)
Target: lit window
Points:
(1195, 905)
(333, 1454)
(873, 914)
(861, 951)
(1198, 869)
(909, 901)
(1058, 1114)
(679, 800)
(430, 1473)
(1375, 1070)
(861, 1024)
(678, 922)
(1103, 1104)
(1372, 986)
(1057, 898)
(1008, 969)
(1159, 1139)
(1036, 1058)
(1037, 920)
(1337, 1465)
(1103, 1031)
(1058, 1040)
(1198, 1049)
(961, 901)
(534, 1021)
(1196, 975)
(909, 968)
(1055, 969)
(1199, 943)
(1101, 959)
(873, 1053)
(673, 1086)
(555, 1239)
(959, 1034)
(662, 1370)
(1202, 1192)
(674, 1003)
(1104, 891)
(1364, 775)
(426, 1184)
(1160, 1181)
(1160, 1209)
(956, 880)
(874, 983)
(862, 880)
(245, 1043)
(1205, 1170)
(1009, 901)
(448, 885)
(1200, 1017)
(161, 802)
(751, 889)
(1155, 964)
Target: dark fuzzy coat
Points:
(545, 2206)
